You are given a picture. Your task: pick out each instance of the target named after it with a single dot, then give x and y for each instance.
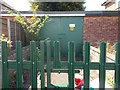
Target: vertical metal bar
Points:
(42, 55)
(56, 63)
(0, 65)
(48, 66)
(86, 65)
(33, 64)
(71, 59)
(5, 81)
(0, 49)
(117, 67)
(102, 66)
(19, 64)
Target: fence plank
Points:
(19, 64)
(102, 66)
(56, 63)
(5, 81)
(33, 65)
(71, 59)
(86, 65)
(64, 65)
(117, 70)
(42, 58)
(48, 66)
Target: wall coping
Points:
(67, 13)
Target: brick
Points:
(100, 28)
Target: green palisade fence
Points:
(56, 65)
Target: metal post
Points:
(117, 67)
(33, 65)
(102, 71)
(71, 59)
(86, 65)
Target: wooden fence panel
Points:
(4, 27)
(13, 31)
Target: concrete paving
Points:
(95, 84)
(63, 79)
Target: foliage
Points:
(110, 81)
(4, 38)
(58, 6)
(110, 48)
(31, 25)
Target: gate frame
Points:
(69, 66)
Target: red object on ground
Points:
(79, 82)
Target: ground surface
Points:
(62, 78)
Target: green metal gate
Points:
(58, 29)
(69, 66)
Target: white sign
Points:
(72, 26)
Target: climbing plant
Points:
(32, 24)
(6, 39)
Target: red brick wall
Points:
(100, 28)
